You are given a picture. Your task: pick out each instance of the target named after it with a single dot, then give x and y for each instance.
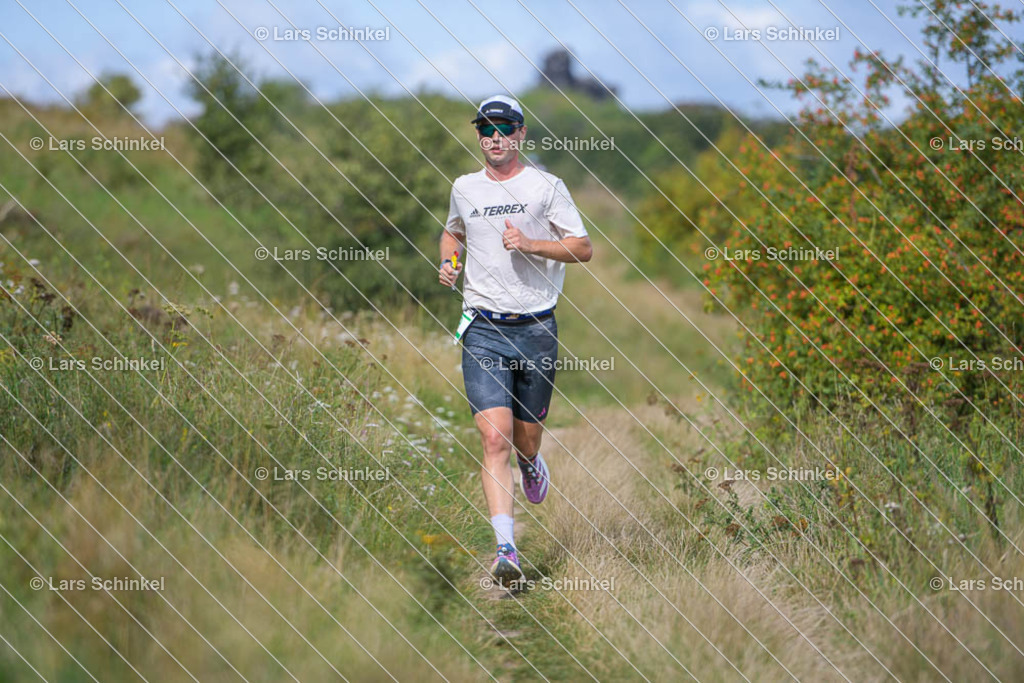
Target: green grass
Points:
(369, 397)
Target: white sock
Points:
(503, 525)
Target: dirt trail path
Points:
(603, 520)
(618, 512)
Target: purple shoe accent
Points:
(506, 566)
(535, 478)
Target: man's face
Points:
(502, 144)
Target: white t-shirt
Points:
(537, 203)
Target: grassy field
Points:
(179, 472)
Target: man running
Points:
(512, 228)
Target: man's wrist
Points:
(447, 260)
(533, 247)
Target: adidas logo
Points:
(475, 214)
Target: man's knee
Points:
(495, 443)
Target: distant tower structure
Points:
(557, 72)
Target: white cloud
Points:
(502, 69)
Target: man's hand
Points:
(450, 244)
(448, 275)
(566, 250)
(514, 240)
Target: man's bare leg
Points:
(495, 426)
(526, 437)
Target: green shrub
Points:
(938, 274)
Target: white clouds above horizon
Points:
(596, 32)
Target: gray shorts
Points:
(511, 365)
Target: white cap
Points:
(499, 107)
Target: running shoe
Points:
(535, 478)
(506, 565)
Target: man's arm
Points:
(450, 243)
(567, 250)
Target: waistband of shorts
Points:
(514, 318)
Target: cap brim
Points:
(496, 117)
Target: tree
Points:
(928, 233)
(110, 93)
(233, 118)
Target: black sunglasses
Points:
(486, 130)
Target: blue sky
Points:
(456, 47)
